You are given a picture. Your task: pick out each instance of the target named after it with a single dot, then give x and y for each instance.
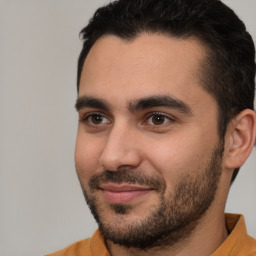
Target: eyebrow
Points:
(159, 101)
(136, 105)
(91, 102)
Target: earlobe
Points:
(241, 138)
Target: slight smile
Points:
(123, 193)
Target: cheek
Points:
(177, 157)
(87, 154)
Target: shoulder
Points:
(244, 244)
(248, 245)
(76, 249)
(87, 247)
(238, 243)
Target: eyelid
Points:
(86, 116)
(157, 113)
(171, 117)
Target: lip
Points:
(123, 193)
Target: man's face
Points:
(148, 155)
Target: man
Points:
(166, 119)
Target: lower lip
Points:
(121, 197)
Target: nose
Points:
(121, 149)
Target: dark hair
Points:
(229, 70)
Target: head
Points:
(229, 69)
(193, 57)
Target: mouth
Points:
(123, 193)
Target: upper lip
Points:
(123, 187)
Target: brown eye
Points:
(158, 119)
(96, 119)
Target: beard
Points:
(172, 219)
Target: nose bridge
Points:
(120, 148)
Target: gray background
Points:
(42, 207)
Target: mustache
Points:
(126, 176)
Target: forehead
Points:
(151, 64)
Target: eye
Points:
(96, 119)
(158, 119)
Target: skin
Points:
(121, 73)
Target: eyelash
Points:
(161, 115)
(86, 118)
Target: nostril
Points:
(122, 159)
(120, 149)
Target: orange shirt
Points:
(238, 243)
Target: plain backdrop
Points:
(42, 207)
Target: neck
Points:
(204, 240)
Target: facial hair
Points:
(177, 214)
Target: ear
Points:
(240, 139)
